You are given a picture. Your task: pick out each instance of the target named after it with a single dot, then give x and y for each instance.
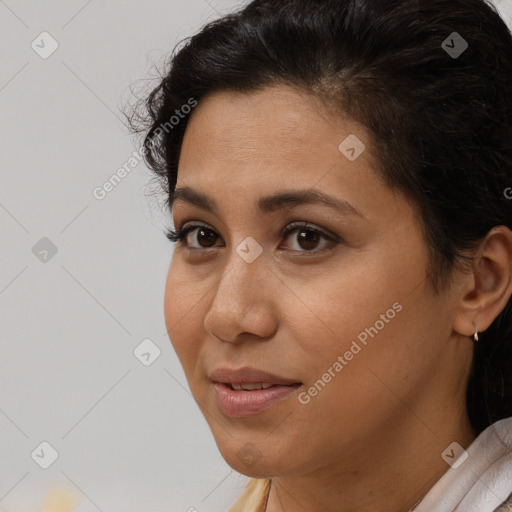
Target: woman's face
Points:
(339, 314)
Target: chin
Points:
(252, 461)
(252, 470)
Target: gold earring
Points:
(475, 336)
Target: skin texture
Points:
(372, 438)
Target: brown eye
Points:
(308, 239)
(203, 236)
(206, 237)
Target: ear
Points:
(486, 290)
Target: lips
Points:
(248, 392)
(249, 376)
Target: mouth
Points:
(250, 386)
(248, 391)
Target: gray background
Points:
(128, 436)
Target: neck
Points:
(392, 472)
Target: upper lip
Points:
(248, 375)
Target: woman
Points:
(339, 174)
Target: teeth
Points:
(251, 386)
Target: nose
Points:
(243, 306)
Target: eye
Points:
(205, 236)
(307, 238)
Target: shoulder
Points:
(482, 480)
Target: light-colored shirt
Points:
(254, 497)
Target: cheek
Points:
(369, 317)
(335, 308)
(382, 356)
(183, 302)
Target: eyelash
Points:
(179, 236)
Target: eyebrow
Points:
(268, 204)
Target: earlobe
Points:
(487, 289)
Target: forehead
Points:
(276, 133)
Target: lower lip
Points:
(239, 404)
